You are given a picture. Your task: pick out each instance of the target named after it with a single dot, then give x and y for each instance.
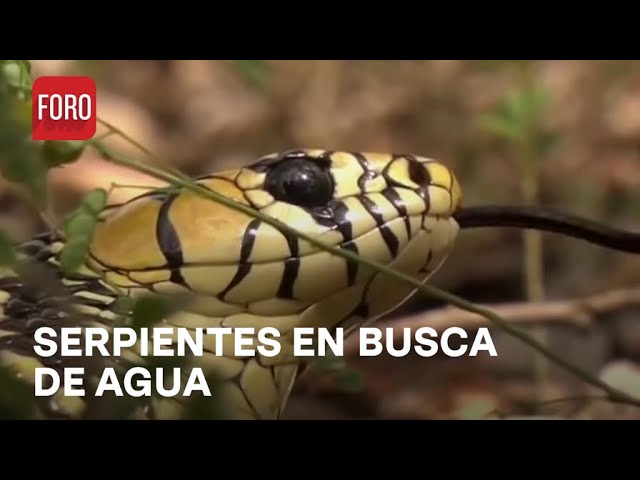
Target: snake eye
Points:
(300, 181)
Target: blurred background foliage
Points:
(564, 134)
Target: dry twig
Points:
(580, 312)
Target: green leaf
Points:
(83, 218)
(501, 126)
(7, 252)
(11, 72)
(123, 306)
(79, 228)
(57, 153)
(526, 107)
(536, 100)
(519, 116)
(148, 310)
(26, 65)
(79, 225)
(74, 254)
(22, 114)
(95, 201)
(20, 160)
(17, 76)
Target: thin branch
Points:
(115, 130)
(580, 312)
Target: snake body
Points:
(238, 271)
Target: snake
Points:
(225, 268)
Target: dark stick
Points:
(550, 221)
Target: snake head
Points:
(393, 209)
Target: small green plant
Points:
(519, 120)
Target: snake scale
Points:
(237, 271)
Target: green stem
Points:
(614, 394)
(113, 129)
(533, 258)
(530, 186)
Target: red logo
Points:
(63, 108)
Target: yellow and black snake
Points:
(237, 271)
